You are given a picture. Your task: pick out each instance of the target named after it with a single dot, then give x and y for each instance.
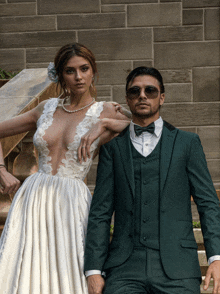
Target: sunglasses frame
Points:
(153, 95)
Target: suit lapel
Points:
(167, 144)
(124, 145)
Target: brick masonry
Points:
(179, 37)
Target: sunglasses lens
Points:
(133, 92)
(151, 92)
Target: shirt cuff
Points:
(92, 272)
(213, 258)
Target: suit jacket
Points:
(183, 172)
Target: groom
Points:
(146, 176)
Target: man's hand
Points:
(214, 272)
(96, 284)
(8, 183)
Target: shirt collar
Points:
(158, 128)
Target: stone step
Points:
(199, 239)
(1, 229)
(3, 216)
(210, 288)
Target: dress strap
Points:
(49, 109)
(95, 110)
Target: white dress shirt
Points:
(145, 144)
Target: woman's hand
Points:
(86, 140)
(8, 183)
(121, 109)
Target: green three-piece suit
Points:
(151, 198)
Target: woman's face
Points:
(78, 75)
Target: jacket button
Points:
(144, 238)
(145, 203)
(144, 220)
(145, 182)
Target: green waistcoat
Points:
(146, 175)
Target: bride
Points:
(42, 245)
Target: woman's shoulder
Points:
(48, 103)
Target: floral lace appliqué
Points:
(71, 167)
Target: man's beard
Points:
(145, 115)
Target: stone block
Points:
(119, 94)
(67, 6)
(118, 43)
(178, 92)
(176, 76)
(137, 63)
(36, 39)
(206, 84)
(186, 55)
(210, 138)
(113, 73)
(41, 55)
(12, 59)
(192, 16)
(104, 91)
(2, 1)
(91, 21)
(37, 65)
(191, 114)
(172, 34)
(25, 24)
(22, 9)
(113, 8)
(212, 24)
(20, 1)
(127, 1)
(214, 169)
(188, 129)
(161, 1)
(168, 14)
(91, 177)
(200, 3)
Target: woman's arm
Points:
(20, 124)
(114, 119)
(106, 129)
(8, 183)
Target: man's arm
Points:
(205, 197)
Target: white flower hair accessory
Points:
(51, 72)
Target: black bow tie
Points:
(139, 130)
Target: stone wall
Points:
(179, 37)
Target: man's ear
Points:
(162, 98)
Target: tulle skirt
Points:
(42, 245)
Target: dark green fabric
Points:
(143, 273)
(183, 172)
(146, 204)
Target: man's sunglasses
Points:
(150, 91)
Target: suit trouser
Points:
(143, 273)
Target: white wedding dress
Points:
(42, 245)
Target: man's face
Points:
(144, 98)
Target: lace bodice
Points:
(70, 166)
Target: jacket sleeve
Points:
(205, 197)
(102, 206)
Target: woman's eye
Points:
(85, 68)
(69, 71)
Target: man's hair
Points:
(145, 71)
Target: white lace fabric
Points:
(71, 167)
